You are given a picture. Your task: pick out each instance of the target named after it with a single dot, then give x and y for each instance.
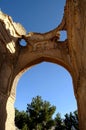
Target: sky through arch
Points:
(52, 82)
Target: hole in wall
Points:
(63, 35)
(23, 43)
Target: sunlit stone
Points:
(11, 47)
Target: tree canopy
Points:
(38, 116)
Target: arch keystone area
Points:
(15, 58)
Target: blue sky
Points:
(48, 80)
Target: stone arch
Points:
(55, 60)
(36, 63)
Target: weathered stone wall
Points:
(10, 125)
(76, 28)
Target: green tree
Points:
(25, 127)
(40, 114)
(21, 119)
(59, 124)
(68, 121)
(71, 120)
(76, 120)
(39, 117)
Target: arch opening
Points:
(48, 72)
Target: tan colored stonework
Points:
(15, 59)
